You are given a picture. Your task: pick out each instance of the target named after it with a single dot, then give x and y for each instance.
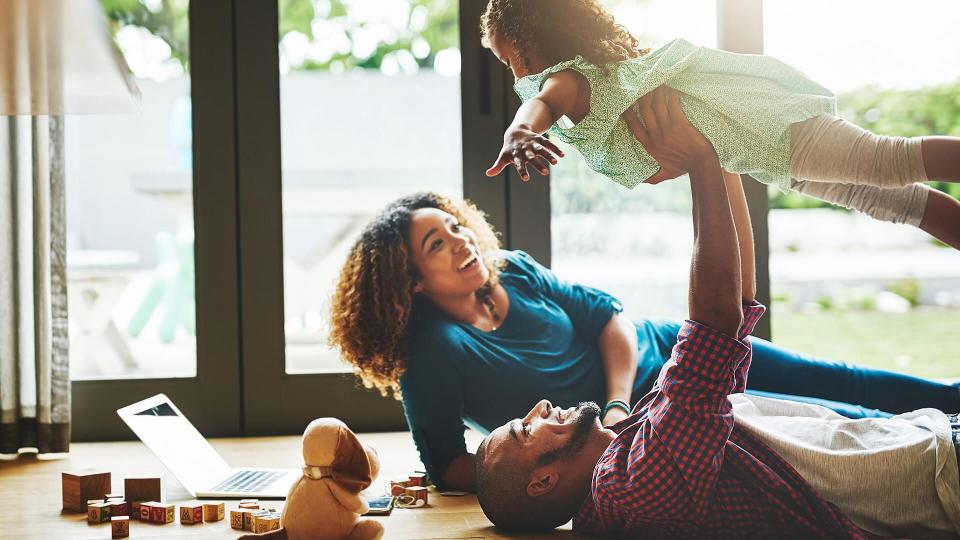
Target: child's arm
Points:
(741, 220)
(523, 142)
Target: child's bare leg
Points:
(941, 158)
(941, 218)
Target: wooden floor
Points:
(31, 494)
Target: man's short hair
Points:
(502, 494)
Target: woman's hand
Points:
(523, 146)
(666, 134)
(614, 415)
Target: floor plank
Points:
(32, 487)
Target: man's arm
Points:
(677, 454)
(715, 286)
(741, 219)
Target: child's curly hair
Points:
(373, 300)
(559, 30)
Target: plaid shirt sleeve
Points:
(675, 457)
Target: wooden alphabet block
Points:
(146, 511)
(119, 508)
(191, 514)
(418, 479)
(80, 487)
(399, 485)
(99, 512)
(419, 493)
(144, 489)
(249, 517)
(120, 526)
(169, 512)
(237, 518)
(213, 511)
(266, 522)
(135, 510)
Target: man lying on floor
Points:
(698, 459)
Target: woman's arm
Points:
(618, 351)
(741, 220)
(523, 142)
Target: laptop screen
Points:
(174, 440)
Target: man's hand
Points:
(666, 134)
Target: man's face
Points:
(547, 433)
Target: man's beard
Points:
(586, 414)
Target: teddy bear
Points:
(325, 503)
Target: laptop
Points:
(183, 450)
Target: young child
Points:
(582, 76)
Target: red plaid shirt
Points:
(680, 467)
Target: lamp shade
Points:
(57, 57)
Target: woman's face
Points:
(508, 53)
(445, 254)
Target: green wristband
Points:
(616, 403)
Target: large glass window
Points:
(635, 243)
(844, 285)
(129, 210)
(370, 111)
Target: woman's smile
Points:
(470, 264)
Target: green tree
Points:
(168, 20)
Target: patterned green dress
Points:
(743, 103)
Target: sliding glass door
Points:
(152, 274)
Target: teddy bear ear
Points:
(350, 467)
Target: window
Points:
(635, 243)
(844, 285)
(130, 234)
(370, 112)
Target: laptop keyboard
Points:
(248, 481)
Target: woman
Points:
(429, 309)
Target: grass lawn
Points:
(925, 342)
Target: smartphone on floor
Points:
(380, 506)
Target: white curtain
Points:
(56, 58)
(34, 367)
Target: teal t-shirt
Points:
(546, 347)
(743, 103)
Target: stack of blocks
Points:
(249, 517)
(88, 492)
(265, 521)
(414, 485)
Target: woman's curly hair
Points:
(559, 30)
(373, 300)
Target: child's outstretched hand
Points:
(522, 147)
(666, 134)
